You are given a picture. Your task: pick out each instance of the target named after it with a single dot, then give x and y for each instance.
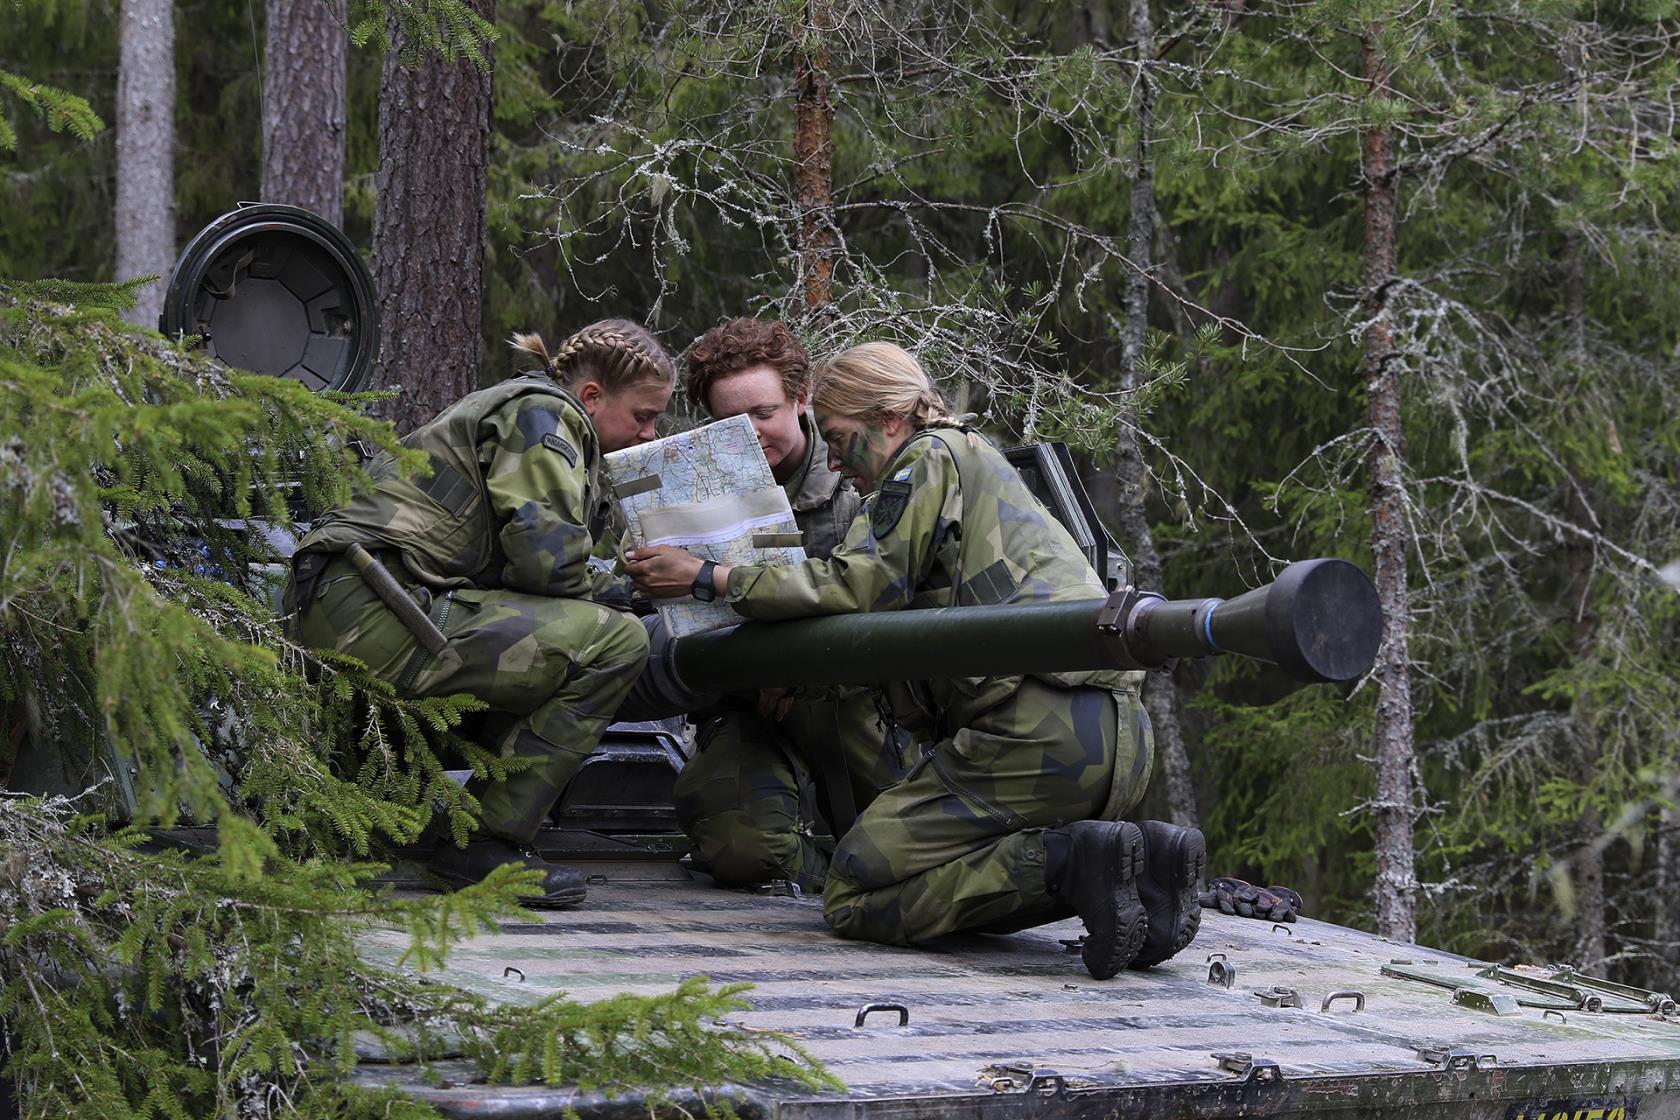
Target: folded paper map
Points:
(709, 491)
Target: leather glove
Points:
(1270, 904)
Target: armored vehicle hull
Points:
(999, 1028)
(986, 1028)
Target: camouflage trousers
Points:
(959, 843)
(749, 798)
(552, 670)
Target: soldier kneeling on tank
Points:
(777, 776)
(476, 578)
(1012, 818)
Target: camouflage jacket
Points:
(515, 499)
(950, 524)
(824, 503)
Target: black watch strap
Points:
(702, 588)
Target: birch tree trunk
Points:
(1665, 933)
(1160, 695)
(1588, 860)
(429, 228)
(813, 154)
(145, 206)
(304, 106)
(1396, 886)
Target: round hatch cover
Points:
(277, 290)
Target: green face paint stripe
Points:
(858, 450)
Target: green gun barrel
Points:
(1319, 621)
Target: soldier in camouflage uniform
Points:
(494, 544)
(1011, 818)
(777, 776)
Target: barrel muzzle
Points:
(1320, 620)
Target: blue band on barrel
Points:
(1207, 627)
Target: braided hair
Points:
(616, 353)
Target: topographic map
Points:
(709, 491)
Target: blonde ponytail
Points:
(533, 345)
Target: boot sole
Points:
(558, 900)
(1130, 920)
(554, 900)
(1183, 867)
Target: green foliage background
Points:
(642, 165)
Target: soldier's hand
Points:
(1234, 896)
(774, 703)
(662, 571)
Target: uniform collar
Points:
(886, 469)
(813, 485)
(594, 448)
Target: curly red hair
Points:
(738, 344)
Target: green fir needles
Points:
(141, 660)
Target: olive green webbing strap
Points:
(829, 759)
(1123, 780)
(439, 615)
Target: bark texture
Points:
(1665, 933)
(429, 228)
(1588, 861)
(304, 106)
(813, 155)
(1160, 695)
(1396, 885)
(145, 206)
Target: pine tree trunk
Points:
(304, 106)
(429, 229)
(813, 154)
(1396, 886)
(1160, 696)
(145, 207)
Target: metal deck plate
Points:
(984, 1012)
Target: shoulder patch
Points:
(890, 504)
(902, 476)
(558, 443)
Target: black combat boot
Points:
(1172, 864)
(461, 867)
(1094, 866)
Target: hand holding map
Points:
(709, 491)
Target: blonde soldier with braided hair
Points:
(1011, 819)
(494, 545)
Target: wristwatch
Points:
(702, 588)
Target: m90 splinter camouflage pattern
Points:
(495, 542)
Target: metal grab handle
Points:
(1358, 999)
(1046, 1082)
(867, 1009)
(1553, 1013)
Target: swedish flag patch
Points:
(890, 504)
